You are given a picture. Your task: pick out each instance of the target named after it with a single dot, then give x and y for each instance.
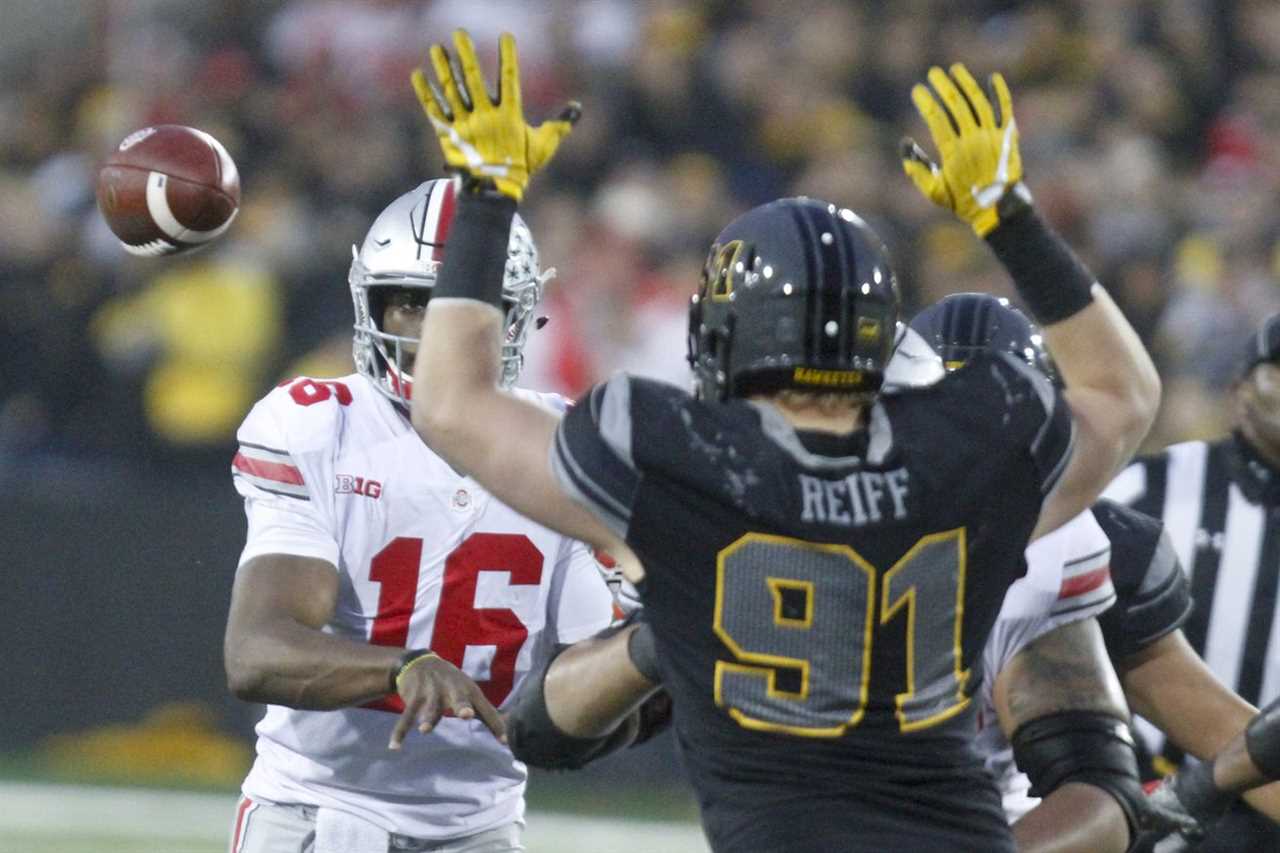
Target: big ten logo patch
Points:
(346, 484)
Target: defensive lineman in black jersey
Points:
(789, 634)
(796, 666)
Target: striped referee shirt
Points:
(1230, 548)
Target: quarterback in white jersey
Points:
(1068, 580)
(342, 493)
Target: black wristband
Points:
(475, 259)
(1262, 740)
(1049, 277)
(404, 660)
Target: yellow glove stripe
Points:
(975, 95)
(939, 125)
(956, 106)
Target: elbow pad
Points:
(536, 740)
(1082, 746)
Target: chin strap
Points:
(1258, 480)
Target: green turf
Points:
(20, 842)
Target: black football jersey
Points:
(820, 602)
(1153, 597)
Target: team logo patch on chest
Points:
(348, 484)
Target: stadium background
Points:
(1148, 131)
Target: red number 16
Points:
(459, 623)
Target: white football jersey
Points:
(1068, 579)
(426, 558)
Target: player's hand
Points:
(978, 149)
(429, 686)
(1180, 809)
(483, 137)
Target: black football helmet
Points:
(962, 325)
(795, 294)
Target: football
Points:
(168, 189)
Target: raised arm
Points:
(502, 441)
(1112, 385)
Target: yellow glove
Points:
(482, 137)
(979, 153)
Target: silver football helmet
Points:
(404, 249)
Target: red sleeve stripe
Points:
(1085, 582)
(262, 469)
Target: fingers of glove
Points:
(931, 185)
(430, 96)
(909, 149)
(972, 91)
(934, 116)
(957, 106)
(509, 74)
(923, 172)
(468, 64)
(1002, 98)
(443, 65)
(571, 113)
(543, 141)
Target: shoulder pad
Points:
(1153, 596)
(297, 419)
(301, 414)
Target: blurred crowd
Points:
(1147, 130)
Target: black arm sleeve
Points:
(475, 264)
(535, 739)
(1082, 746)
(1049, 277)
